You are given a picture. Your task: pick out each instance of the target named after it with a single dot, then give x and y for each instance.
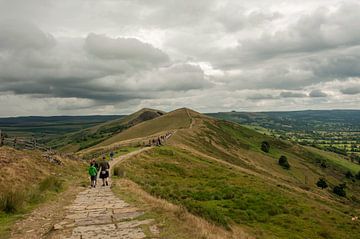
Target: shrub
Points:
(357, 176)
(283, 162)
(12, 201)
(265, 146)
(51, 183)
(349, 175)
(119, 172)
(322, 183)
(340, 190)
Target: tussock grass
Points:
(16, 200)
(119, 172)
(12, 201)
(51, 183)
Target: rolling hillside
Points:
(217, 170)
(45, 127)
(334, 120)
(91, 136)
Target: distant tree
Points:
(322, 183)
(349, 175)
(340, 190)
(265, 146)
(283, 162)
(355, 158)
(357, 176)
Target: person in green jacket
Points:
(93, 174)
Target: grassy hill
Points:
(94, 135)
(217, 170)
(178, 119)
(28, 178)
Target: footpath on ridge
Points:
(98, 213)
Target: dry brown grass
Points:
(188, 222)
(23, 168)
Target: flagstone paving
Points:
(98, 213)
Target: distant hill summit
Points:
(175, 120)
(91, 136)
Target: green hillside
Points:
(217, 170)
(332, 130)
(94, 135)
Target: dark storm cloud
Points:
(317, 94)
(351, 90)
(289, 94)
(98, 68)
(261, 97)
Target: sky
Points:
(86, 57)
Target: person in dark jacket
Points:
(104, 171)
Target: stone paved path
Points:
(98, 213)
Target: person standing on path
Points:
(104, 171)
(93, 174)
(111, 155)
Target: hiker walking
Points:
(111, 155)
(104, 171)
(93, 174)
(97, 170)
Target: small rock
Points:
(154, 230)
(58, 227)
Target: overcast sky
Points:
(78, 57)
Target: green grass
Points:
(6, 220)
(239, 137)
(15, 203)
(51, 183)
(336, 159)
(171, 223)
(225, 197)
(121, 150)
